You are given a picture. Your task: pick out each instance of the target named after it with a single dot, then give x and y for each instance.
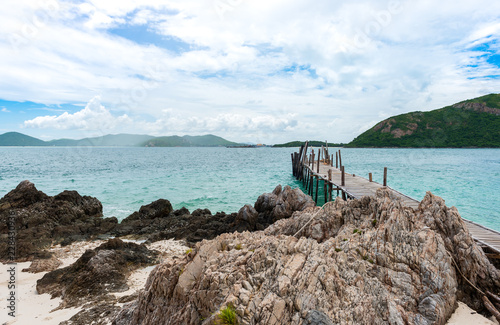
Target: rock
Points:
(96, 273)
(247, 219)
(157, 221)
(315, 317)
(281, 203)
(368, 261)
(157, 209)
(41, 220)
(164, 223)
(43, 265)
(100, 314)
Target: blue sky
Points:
(250, 71)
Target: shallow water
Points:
(223, 179)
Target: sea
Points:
(225, 179)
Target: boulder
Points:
(246, 219)
(281, 204)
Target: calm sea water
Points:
(223, 179)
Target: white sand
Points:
(32, 308)
(465, 316)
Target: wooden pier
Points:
(321, 167)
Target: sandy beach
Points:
(33, 308)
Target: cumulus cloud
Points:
(93, 117)
(220, 123)
(5, 110)
(211, 64)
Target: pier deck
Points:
(353, 186)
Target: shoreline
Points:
(223, 259)
(33, 307)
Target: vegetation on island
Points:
(19, 139)
(471, 123)
(208, 140)
(294, 144)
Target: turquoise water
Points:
(223, 179)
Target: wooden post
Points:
(312, 163)
(336, 159)
(305, 151)
(298, 161)
(370, 177)
(317, 186)
(342, 169)
(318, 166)
(325, 191)
(305, 180)
(326, 152)
(330, 187)
(340, 159)
(311, 186)
(385, 176)
(331, 161)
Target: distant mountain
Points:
(208, 140)
(471, 123)
(110, 140)
(294, 144)
(19, 139)
(118, 140)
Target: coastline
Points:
(41, 309)
(34, 308)
(259, 260)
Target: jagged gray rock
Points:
(96, 273)
(40, 220)
(281, 203)
(368, 261)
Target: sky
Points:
(249, 71)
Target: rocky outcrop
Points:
(96, 273)
(478, 107)
(39, 220)
(158, 221)
(281, 204)
(368, 261)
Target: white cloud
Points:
(93, 117)
(5, 110)
(313, 61)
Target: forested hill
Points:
(118, 140)
(471, 123)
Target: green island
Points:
(473, 123)
(293, 144)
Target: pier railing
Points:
(318, 167)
